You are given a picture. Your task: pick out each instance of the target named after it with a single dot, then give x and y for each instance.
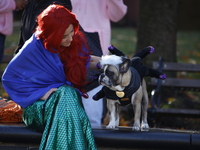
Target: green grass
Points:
(12, 40)
(188, 47)
(124, 39)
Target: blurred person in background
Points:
(6, 20)
(96, 16)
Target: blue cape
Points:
(33, 72)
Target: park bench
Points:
(173, 83)
(16, 136)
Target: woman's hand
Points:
(48, 93)
(94, 62)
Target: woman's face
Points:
(68, 36)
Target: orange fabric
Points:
(10, 111)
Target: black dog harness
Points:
(127, 93)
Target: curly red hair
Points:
(52, 23)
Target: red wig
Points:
(52, 23)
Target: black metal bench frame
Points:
(175, 84)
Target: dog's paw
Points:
(136, 128)
(110, 126)
(144, 126)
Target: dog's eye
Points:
(109, 73)
(101, 70)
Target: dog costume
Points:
(125, 97)
(138, 69)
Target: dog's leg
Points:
(144, 124)
(136, 101)
(117, 115)
(113, 109)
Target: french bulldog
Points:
(122, 85)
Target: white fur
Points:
(110, 60)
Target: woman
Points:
(46, 77)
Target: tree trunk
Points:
(158, 27)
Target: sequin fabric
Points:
(62, 120)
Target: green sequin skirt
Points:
(62, 120)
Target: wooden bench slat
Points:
(171, 66)
(174, 82)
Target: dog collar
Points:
(124, 96)
(120, 94)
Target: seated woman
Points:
(46, 77)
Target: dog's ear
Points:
(123, 68)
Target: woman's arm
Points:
(7, 6)
(45, 96)
(116, 9)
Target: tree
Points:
(157, 27)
